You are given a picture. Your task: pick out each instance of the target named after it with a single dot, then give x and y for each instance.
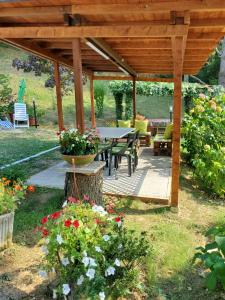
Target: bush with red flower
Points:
(11, 193)
(91, 253)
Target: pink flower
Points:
(72, 200)
(86, 198)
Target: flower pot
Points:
(6, 230)
(32, 121)
(79, 160)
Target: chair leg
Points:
(110, 164)
(106, 158)
(129, 159)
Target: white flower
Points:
(72, 259)
(64, 204)
(92, 262)
(53, 270)
(47, 241)
(98, 249)
(119, 224)
(65, 261)
(120, 246)
(117, 262)
(106, 237)
(66, 289)
(43, 274)
(85, 253)
(54, 294)
(110, 271)
(99, 209)
(59, 239)
(80, 280)
(44, 249)
(90, 273)
(101, 296)
(85, 261)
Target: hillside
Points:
(152, 107)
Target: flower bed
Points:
(92, 254)
(204, 142)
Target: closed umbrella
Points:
(21, 91)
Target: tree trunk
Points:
(80, 185)
(222, 65)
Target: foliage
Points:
(5, 95)
(117, 91)
(15, 174)
(204, 142)
(42, 66)
(72, 142)
(99, 94)
(30, 111)
(11, 193)
(91, 252)
(212, 257)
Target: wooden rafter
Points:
(144, 7)
(93, 31)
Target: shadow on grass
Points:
(43, 202)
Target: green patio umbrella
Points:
(21, 91)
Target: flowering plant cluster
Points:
(11, 193)
(72, 142)
(90, 251)
(204, 142)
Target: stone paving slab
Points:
(152, 178)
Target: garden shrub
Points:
(90, 251)
(212, 256)
(99, 94)
(5, 95)
(127, 86)
(117, 91)
(204, 142)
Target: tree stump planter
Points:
(85, 180)
(6, 230)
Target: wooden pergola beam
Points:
(35, 11)
(58, 95)
(113, 55)
(93, 31)
(96, 77)
(93, 119)
(151, 7)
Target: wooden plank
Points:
(134, 98)
(93, 120)
(58, 95)
(78, 84)
(151, 7)
(178, 53)
(96, 77)
(93, 31)
(114, 56)
(35, 11)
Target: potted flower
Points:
(90, 253)
(78, 148)
(10, 196)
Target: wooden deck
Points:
(150, 182)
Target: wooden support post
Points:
(134, 99)
(78, 84)
(58, 95)
(93, 120)
(178, 52)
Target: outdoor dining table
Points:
(113, 132)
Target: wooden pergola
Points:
(138, 38)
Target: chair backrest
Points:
(20, 111)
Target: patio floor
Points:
(151, 181)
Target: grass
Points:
(173, 237)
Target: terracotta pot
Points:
(79, 160)
(6, 230)
(32, 121)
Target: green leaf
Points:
(220, 240)
(211, 246)
(211, 281)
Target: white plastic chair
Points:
(20, 116)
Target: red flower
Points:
(76, 223)
(31, 188)
(111, 211)
(98, 221)
(45, 232)
(67, 223)
(55, 215)
(44, 220)
(118, 219)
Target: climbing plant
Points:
(99, 95)
(117, 91)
